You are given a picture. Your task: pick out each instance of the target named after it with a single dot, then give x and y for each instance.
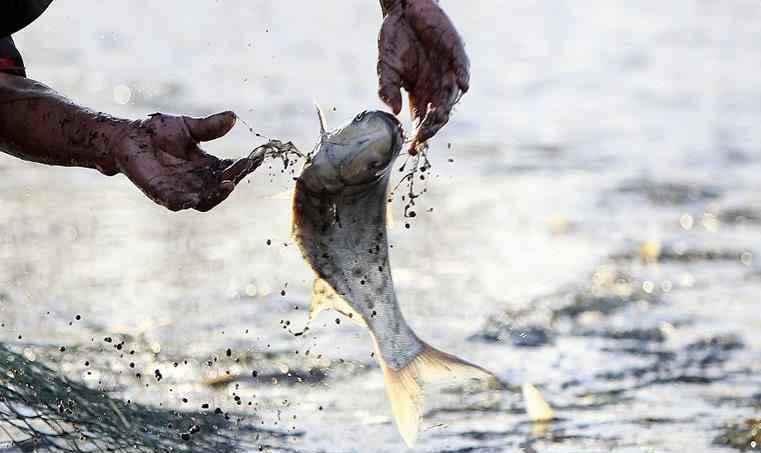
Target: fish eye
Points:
(360, 117)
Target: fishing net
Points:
(44, 409)
(40, 410)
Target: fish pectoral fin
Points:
(390, 218)
(324, 297)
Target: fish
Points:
(340, 226)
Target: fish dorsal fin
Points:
(323, 121)
(324, 297)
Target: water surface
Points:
(596, 231)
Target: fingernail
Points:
(231, 118)
(227, 118)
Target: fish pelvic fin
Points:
(405, 386)
(324, 297)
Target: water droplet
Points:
(122, 94)
(686, 221)
(648, 287)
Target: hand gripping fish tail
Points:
(405, 386)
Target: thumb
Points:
(462, 69)
(211, 127)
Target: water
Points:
(594, 136)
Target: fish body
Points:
(339, 223)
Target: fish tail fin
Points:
(405, 385)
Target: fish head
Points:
(356, 154)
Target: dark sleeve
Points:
(10, 58)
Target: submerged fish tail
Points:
(405, 385)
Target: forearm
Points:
(40, 125)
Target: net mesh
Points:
(40, 410)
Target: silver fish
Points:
(339, 223)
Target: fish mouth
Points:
(356, 155)
(395, 125)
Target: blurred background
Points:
(593, 225)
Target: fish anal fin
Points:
(324, 297)
(405, 385)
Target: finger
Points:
(435, 119)
(461, 64)
(215, 196)
(258, 155)
(454, 46)
(390, 85)
(437, 31)
(211, 127)
(424, 93)
(222, 165)
(438, 112)
(419, 104)
(239, 169)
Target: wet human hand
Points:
(421, 51)
(161, 155)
